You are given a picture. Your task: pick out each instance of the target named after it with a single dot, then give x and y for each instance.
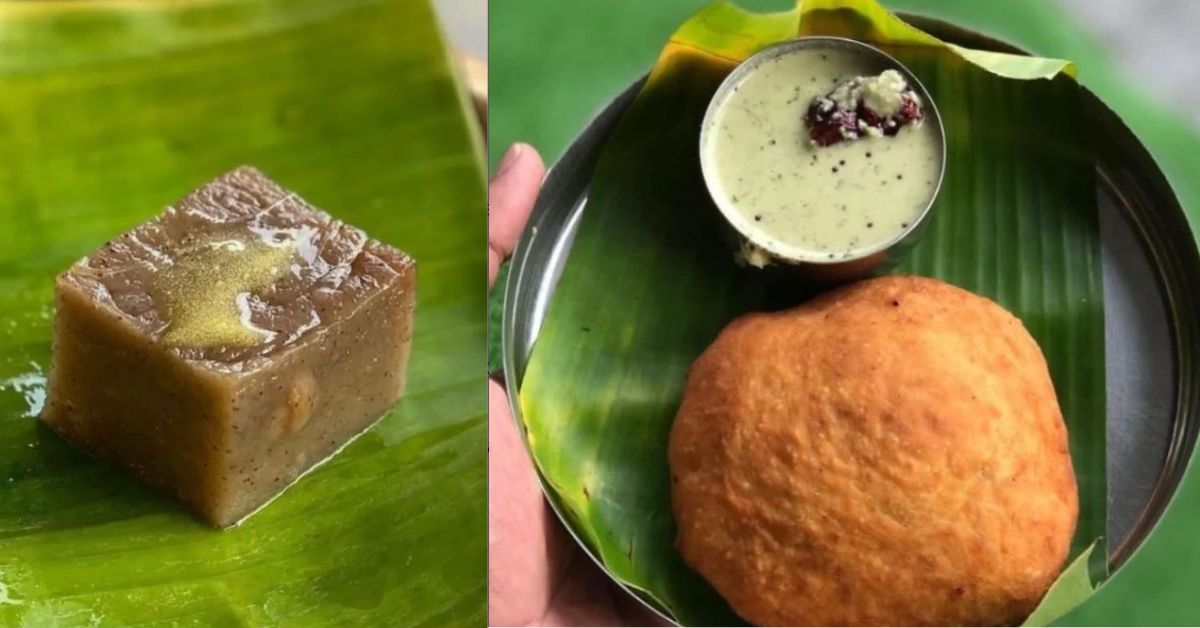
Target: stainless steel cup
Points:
(818, 268)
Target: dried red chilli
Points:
(828, 123)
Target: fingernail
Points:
(511, 156)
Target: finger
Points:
(584, 598)
(511, 195)
(524, 544)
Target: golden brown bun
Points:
(891, 453)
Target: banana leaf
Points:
(647, 285)
(110, 110)
(1076, 583)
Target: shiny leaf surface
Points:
(109, 111)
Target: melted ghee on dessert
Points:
(205, 293)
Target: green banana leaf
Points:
(647, 286)
(110, 110)
(1076, 583)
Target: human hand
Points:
(537, 576)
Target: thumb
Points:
(511, 195)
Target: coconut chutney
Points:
(803, 201)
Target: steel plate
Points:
(1151, 272)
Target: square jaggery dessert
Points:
(225, 347)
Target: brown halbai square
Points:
(225, 347)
